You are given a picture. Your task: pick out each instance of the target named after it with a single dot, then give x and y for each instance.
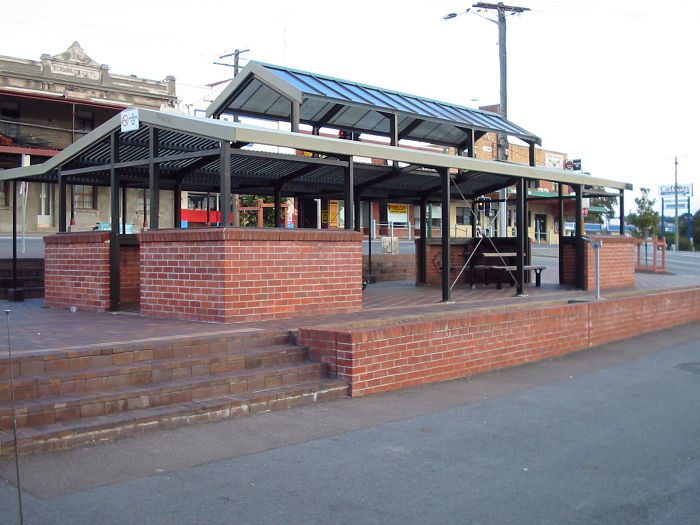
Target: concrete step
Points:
(71, 382)
(65, 408)
(103, 428)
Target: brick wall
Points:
(235, 274)
(617, 262)
(129, 274)
(386, 267)
(569, 261)
(378, 357)
(77, 270)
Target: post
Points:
(689, 228)
(61, 202)
(580, 252)
(348, 194)
(153, 180)
(596, 246)
(15, 295)
(622, 213)
(562, 226)
(663, 212)
(177, 206)
(445, 231)
(675, 191)
(369, 238)
(278, 204)
(294, 116)
(422, 246)
(225, 183)
(114, 277)
(521, 229)
(123, 221)
(358, 212)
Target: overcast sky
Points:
(612, 82)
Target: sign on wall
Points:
(552, 160)
(397, 212)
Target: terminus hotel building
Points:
(48, 104)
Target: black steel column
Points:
(562, 225)
(61, 202)
(521, 229)
(72, 205)
(423, 245)
(225, 183)
(348, 194)
(393, 129)
(578, 188)
(123, 210)
(358, 213)
(622, 214)
(153, 179)
(445, 179)
(114, 278)
(278, 205)
(369, 238)
(208, 209)
(177, 206)
(15, 294)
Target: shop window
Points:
(85, 197)
(84, 120)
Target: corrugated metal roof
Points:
(266, 91)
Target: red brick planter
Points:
(245, 274)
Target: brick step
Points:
(103, 428)
(32, 412)
(98, 356)
(149, 372)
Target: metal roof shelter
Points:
(176, 152)
(300, 97)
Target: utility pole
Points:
(675, 191)
(236, 68)
(502, 10)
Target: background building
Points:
(48, 104)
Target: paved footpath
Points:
(605, 436)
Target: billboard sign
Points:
(668, 190)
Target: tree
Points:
(646, 219)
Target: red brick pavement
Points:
(35, 328)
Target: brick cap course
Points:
(77, 238)
(613, 239)
(249, 234)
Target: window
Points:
(9, 112)
(85, 197)
(5, 193)
(84, 120)
(462, 215)
(144, 200)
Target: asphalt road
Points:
(604, 436)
